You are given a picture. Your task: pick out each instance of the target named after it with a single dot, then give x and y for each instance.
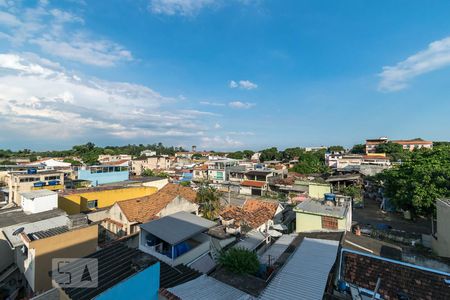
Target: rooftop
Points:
(319, 208)
(32, 227)
(205, 287)
(118, 262)
(398, 279)
(177, 227)
(145, 208)
(254, 213)
(305, 274)
(38, 193)
(259, 172)
(42, 234)
(16, 216)
(253, 183)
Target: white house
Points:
(39, 201)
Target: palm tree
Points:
(209, 200)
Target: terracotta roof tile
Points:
(253, 183)
(146, 208)
(396, 279)
(254, 213)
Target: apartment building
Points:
(31, 180)
(161, 162)
(106, 158)
(410, 145)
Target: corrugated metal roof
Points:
(305, 274)
(177, 227)
(33, 227)
(39, 193)
(205, 287)
(275, 251)
(204, 264)
(253, 239)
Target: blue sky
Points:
(222, 74)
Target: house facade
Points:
(124, 217)
(314, 215)
(151, 163)
(441, 234)
(32, 180)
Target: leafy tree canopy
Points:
(418, 181)
(336, 148)
(208, 199)
(311, 162)
(240, 261)
(358, 149)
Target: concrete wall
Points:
(159, 184)
(39, 204)
(318, 190)
(73, 244)
(141, 286)
(6, 253)
(309, 222)
(178, 204)
(441, 245)
(76, 203)
(102, 178)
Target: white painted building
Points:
(39, 201)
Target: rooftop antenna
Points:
(377, 286)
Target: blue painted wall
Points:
(101, 178)
(141, 286)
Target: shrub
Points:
(240, 261)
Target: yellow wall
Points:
(73, 244)
(76, 203)
(308, 222)
(317, 191)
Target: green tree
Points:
(197, 156)
(394, 151)
(292, 153)
(418, 181)
(72, 161)
(148, 173)
(236, 155)
(311, 162)
(208, 199)
(270, 154)
(353, 191)
(240, 261)
(336, 149)
(358, 149)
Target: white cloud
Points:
(233, 84)
(243, 133)
(212, 103)
(180, 7)
(434, 57)
(190, 8)
(217, 126)
(217, 142)
(243, 84)
(59, 33)
(241, 105)
(39, 99)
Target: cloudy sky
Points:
(222, 74)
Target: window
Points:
(91, 204)
(51, 177)
(29, 179)
(329, 223)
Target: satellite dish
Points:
(18, 230)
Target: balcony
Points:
(182, 253)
